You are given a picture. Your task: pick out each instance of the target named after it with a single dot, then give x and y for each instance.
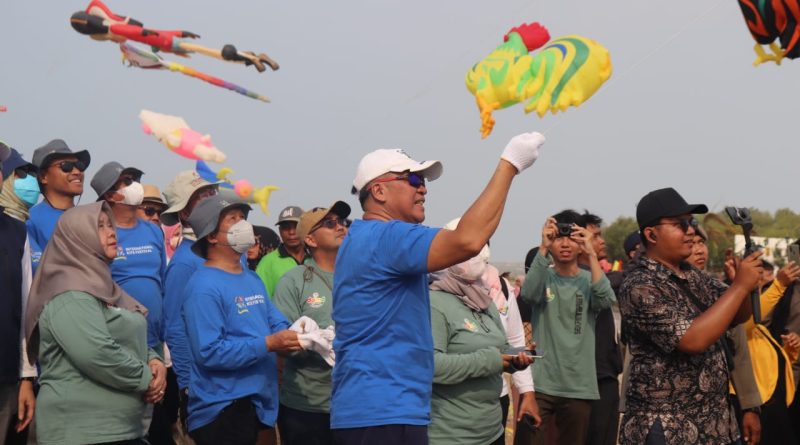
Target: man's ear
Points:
(378, 192)
(650, 234)
(212, 238)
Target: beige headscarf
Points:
(12, 205)
(74, 261)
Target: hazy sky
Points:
(684, 106)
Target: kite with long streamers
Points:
(99, 23)
(771, 20)
(242, 188)
(145, 59)
(564, 73)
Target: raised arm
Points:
(477, 225)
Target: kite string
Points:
(647, 56)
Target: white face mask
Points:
(132, 195)
(472, 270)
(241, 236)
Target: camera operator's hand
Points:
(283, 341)
(791, 342)
(523, 150)
(788, 274)
(549, 232)
(584, 238)
(748, 274)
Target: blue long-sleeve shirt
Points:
(183, 265)
(227, 318)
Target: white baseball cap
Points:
(387, 160)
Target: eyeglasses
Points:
(67, 166)
(150, 211)
(22, 173)
(478, 316)
(415, 180)
(127, 180)
(684, 224)
(331, 223)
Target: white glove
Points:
(522, 150)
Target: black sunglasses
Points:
(22, 173)
(150, 211)
(684, 224)
(67, 166)
(331, 223)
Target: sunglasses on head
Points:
(684, 223)
(415, 180)
(67, 166)
(150, 211)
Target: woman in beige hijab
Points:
(90, 338)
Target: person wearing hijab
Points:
(20, 189)
(17, 401)
(266, 241)
(468, 345)
(90, 338)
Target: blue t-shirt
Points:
(381, 308)
(183, 265)
(227, 317)
(139, 269)
(41, 224)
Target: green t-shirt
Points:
(272, 267)
(468, 367)
(94, 371)
(306, 384)
(564, 314)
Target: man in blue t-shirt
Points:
(60, 176)
(384, 346)
(234, 331)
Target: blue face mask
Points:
(27, 189)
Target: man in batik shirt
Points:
(673, 317)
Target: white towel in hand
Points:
(316, 339)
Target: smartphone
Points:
(793, 252)
(514, 350)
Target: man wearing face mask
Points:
(141, 258)
(233, 330)
(20, 189)
(60, 176)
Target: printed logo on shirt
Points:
(124, 252)
(315, 300)
(503, 310)
(243, 303)
(549, 295)
(470, 326)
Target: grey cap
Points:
(54, 149)
(109, 174)
(291, 213)
(205, 217)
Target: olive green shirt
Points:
(94, 371)
(468, 367)
(306, 384)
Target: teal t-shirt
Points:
(564, 314)
(94, 371)
(468, 369)
(306, 383)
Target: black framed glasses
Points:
(22, 173)
(478, 316)
(683, 223)
(67, 166)
(150, 211)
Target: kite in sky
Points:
(175, 133)
(243, 188)
(771, 20)
(565, 72)
(145, 59)
(98, 22)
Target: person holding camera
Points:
(673, 318)
(565, 301)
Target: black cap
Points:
(14, 162)
(664, 203)
(631, 241)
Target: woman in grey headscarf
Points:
(90, 338)
(469, 344)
